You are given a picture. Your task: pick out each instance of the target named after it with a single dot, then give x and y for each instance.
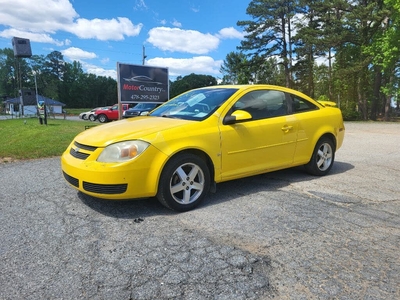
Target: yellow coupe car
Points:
(183, 148)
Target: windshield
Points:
(144, 106)
(195, 104)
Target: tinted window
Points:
(263, 104)
(302, 105)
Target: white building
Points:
(28, 107)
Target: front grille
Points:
(75, 151)
(71, 180)
(85, 147)
(132, 114)
(105, 188)
(77, 154)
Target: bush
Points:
(351, 114)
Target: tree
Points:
(385, 51)
(331, 15)
(57, 79)
(235, 69)
(52, 74)
(270, 34)
(192, 81)
(365, 21)
(322, 82)
(71, 88)
(36, 63)
(8, 73)
(309, 43)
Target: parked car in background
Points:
(111, 113)
(183, 148)
(142, 108)
(85, 115)
(92, 115)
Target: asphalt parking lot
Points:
(283, 235)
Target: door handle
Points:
(287, 128)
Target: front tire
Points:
(323, 157)
(184, 182)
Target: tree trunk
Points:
(330, 93)
(362, 101)
(376, 93)
(389, 99)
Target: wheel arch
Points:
(330, 136)
(201, 154)
(317, 160)
(174, 191)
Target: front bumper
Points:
(137, 178)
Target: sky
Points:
(185, 36)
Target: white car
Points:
(85, 115)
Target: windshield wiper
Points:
(168, 116)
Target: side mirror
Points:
(236, 117)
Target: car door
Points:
(266, 142)
(113, 112)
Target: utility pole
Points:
(144, 56)
(36, 91)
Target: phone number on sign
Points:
(145, 97)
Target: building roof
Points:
(47, 101)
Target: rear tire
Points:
(323, 157)
(92, 118)
(102, 118)
(184, 182)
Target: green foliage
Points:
(77, 111)
(192, 81)
(359, 42)
(351, 114)
(26, 138)
(284, 43)
(12, 71)
(323, 98)
(268, 31)
(56, 79)
(235, 69)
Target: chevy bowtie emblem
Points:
(77, 149)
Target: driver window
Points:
(263, 104)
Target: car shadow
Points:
(139, 209)
(267, 182)
(125, 209)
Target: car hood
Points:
(128, 129)
(134, 110)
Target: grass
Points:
(27, 139)
(76, 111)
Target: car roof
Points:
(244, 87)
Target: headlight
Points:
(123, 151)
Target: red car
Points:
(111, 113)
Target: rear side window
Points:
(263, 104)
(301, 105)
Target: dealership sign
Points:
(138, 83)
